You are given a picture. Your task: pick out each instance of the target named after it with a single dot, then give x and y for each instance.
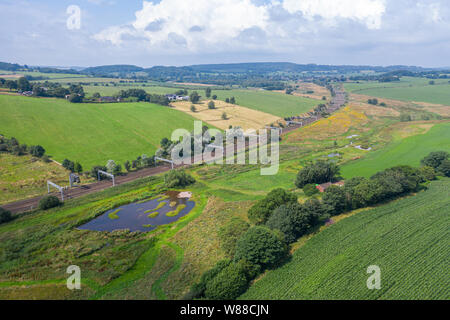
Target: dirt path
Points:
(32, 203)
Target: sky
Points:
(185, 32)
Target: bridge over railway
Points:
(30, 204)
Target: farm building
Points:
(324, 186)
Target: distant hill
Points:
(106, 70)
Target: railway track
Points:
(30, 204)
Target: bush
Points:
(69, 165)
(211, 105)
(49, 202)
(435, 159)
(319, 172)
(310, 190)
(95, 170)
(261, 211)
(198, 289)
(444, 168)
(229, 284)
(5, 216)
(37, 151)
(178, 178)
(230, 234)
(261, 246)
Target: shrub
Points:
(193, 108)
(261, 211)
(224, 116)
(229, 284)
(49, 202)
(37, 151)
(78, 168)
(95, 170)
(435, 159)
(211, 105)
(198, 290)
(230, 233)
(310, 190)
(5, 216)
(69, 165)
(178, 178)
(444, 168)
(427, 173)
(261, 246)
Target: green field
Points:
(408, 89)
(408, 239)
(408, 151)
(278, 104)
(89, 133)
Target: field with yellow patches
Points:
(339, 123)
(237, 116)
(319, 92)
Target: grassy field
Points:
(409, 89)
(407, 151)
(408, 239)
(23, 177)
(89, 133)
(278, 104)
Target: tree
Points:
(228, 284)
(11, 85)
(78, 168)
(69, 165)
(224, 116)
(96, 95)
(198, 289)
(261, 211)
(233, 100)
(444, 168)
(127, 166)
(261, 246)
(37, 151)
(227, 100)
(208, 93)
(293, 220)
(195, 97)
(5, 215)
(23, 84)
(193, 108)
(49, 202)
(214, 97)
(75, 98)
(335, 198)
(211, 105)
(178, 178)
(95, 170)
(320, 172)
(230, 233)
(435, 159)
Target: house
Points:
(324, 186)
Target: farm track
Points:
(30, 204)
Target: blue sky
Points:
(182, 32)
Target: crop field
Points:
(407, 151)
(408, 239)
(111, 90)
(22, 177)
(236, 115)
(89, 133)
(416, 90)
(277, 104)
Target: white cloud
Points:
(369, 12)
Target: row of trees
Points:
(279, 220)
(13, 146)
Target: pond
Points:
(142, 216)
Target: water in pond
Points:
(135, 216)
